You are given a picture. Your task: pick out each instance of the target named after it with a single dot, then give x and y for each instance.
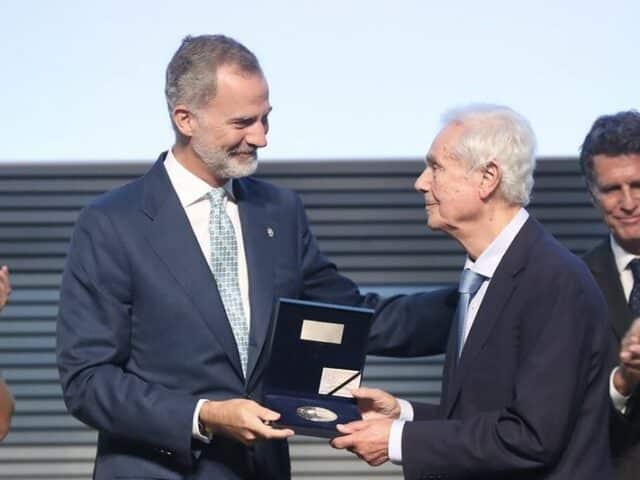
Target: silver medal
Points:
(316, 414)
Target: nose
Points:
(257, 135)
(628, 202)
(423, 181)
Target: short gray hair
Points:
(191, 73)
(497, 133)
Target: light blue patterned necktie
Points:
(224, 265)
(470, 282)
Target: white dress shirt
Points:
(192, 192)
(622, 259)
(486, 264)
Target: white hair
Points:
(494, 133)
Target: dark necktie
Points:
(470, 282)
(634, 298)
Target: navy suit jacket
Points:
(142, 333)
(528, 398)
(625, 429)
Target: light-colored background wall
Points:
(349, 79)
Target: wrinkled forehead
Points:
(616, 168)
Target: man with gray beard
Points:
(168, 289)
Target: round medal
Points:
(316, 414)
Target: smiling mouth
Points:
(251, 154)
(628, 220)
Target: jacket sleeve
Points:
(625, 427)
(413, 325)
(93, 347)
(425, 411)
(560, 374)
(399, 321)
(321, 280)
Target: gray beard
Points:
(224, 165)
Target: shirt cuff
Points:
(619, 401)
(195, 429)
(395, 442)
(406, 410)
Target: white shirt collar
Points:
(490, 258)
(621, 256)
(189, 187)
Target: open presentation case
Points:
(317, 356)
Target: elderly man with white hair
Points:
(525, 382)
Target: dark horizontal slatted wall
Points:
(367, 218)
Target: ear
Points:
(490, 181)
(184, 120)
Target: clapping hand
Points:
(5, 286)
(627, 376)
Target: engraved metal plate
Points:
(316, 414)
(327, 332)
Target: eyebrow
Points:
(250, 118)
(268, 111)
(429, 159)
(617, 184)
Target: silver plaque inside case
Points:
(316, 414)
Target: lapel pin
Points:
(270, 232)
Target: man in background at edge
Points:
(525, 376)
(160, 338)
(6, 400)
(610, 161)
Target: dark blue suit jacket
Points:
(142, 333)
(625, 429)
(528, 398)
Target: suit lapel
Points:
(503, 283)
(449, 373)
(171, 237)
(259, 234)
(603, 267)
(498, 294)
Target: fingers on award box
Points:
(317, 356)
